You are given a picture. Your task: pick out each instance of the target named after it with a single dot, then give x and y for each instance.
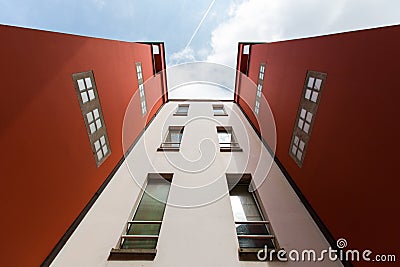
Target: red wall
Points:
(48, 170)
(350, 173)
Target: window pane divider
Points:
(138, 236)
(144, 222)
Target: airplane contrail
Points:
(201, 22)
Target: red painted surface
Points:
(350, 173)
(48, 171)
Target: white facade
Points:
(198, 227)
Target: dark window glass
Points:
(151, 208)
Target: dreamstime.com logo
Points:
(327, 254)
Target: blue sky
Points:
(175, 21)
(170, 21)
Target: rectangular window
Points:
(227, 139)
(142, 96)
(140, 239)
(86, 90)
(259, 88)
(182, 110)
(156, 49)
(173, 139)
(219, 110)
(253, 230)
(308, 107)
(246, 49)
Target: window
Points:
(86, 89)
(142, 95)
(259, 88)
(139, 241)
(305, 120)
(262, 70)
(173, 139)
(298, 148)
(182, 110)
(89, 102)
(246, 49)
(227, 139)
(94, 120)
(156, 49)
(253, 230)
(313, 89)
(219, 110)
(308, 107)
(101, 148)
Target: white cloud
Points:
(273, 20)
(185, 55)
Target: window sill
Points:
(132, 254)
(173, 149)
(230, 149)
(220, 114)
(180, 114)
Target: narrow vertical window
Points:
(173, 139)
(85, 87)
(244, 58)
(306, 114)
(219, 110)
(182, 110)
(259, 88)
(156, 49)
(142, 96)
(227, 139)
(253, 230)
(140, 239)
(246, 49)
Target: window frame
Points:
(310, 107)
(219, 107)
(260, 85)
(250, 254)
(168, 134)
(147, 254)
(234, 140)
(89, 107)
(141, 88)
(178, 113)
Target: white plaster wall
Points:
(193, 236)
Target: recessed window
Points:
(173, 139)
(227, 139)
(257, 107)
(156, 49)
(252, 228)
(86, 90)
(262, 70)
(313, 88)
(94, 120)
(142, 95)
(140, 239)
(101, 148)
(305, 120)
(298, 148)
(219, 110)
(182, 110)
(246, 49)
(139, 72)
